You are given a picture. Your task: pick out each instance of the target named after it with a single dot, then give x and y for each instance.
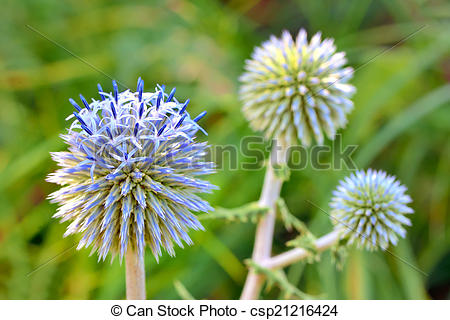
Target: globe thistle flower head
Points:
(130, 176)
(369, 209)
(297, 90)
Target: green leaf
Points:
(306, 241)
(290, 221)
(245, 213)
(339, 253)
(294, 274)
(281, 171)
(277, 277)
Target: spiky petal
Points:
(131, 172)
(369, 209)
(297, 90)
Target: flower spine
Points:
(369, 209)
(297, 90)
(130, 176)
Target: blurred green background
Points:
(401, 123)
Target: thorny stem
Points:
(264, 230)
(135, 275)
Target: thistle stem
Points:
(264, 231)
(294, 255)
(135, 275)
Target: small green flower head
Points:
(369, 209)
(297, 90)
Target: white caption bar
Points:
(206, 309)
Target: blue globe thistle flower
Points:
(297, 90)
(131, 172)
(369, 209)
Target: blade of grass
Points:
(28, 162)
(401, 122)
(428, 57)
(182, 291)
(411, 281)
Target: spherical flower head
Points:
(131, 172)
(369, 209)
(297, 90)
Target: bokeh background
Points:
(401, 124)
